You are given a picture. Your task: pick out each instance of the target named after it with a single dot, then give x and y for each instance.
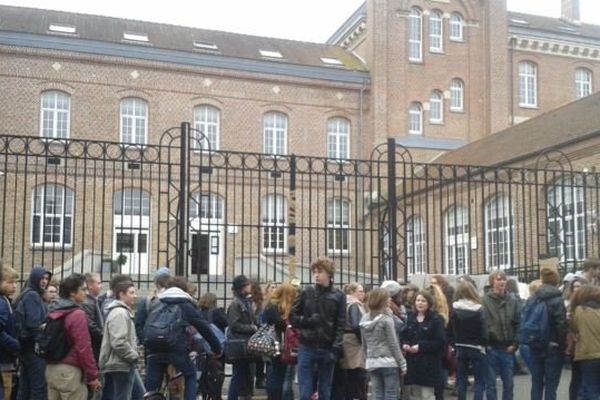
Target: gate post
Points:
(292, 259)
(183, 206)
(392, 207)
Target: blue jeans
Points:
(499, 362)
(275, 378)
(32, 379)
(156, 365)
(288, 383)
(546, 367)
(241, 383)
(123, 384)
(590, 376)
(385, 383)
(478, 362)
(308, 358)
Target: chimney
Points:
(569, 11)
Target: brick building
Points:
(432, 75)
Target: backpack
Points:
(21, 330)
(291, 344)
(535, 325)
(52, 344)
(164, 328)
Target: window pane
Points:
(133, 121)
(415, 33)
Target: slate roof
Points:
(542, 24)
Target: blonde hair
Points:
(377, 301)
(465, 290)
(440, 303)
(351, 287)
(534, 286)
(283, 297)
(8, 274)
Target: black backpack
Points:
(52, 344)
(164, 328)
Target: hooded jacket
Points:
(119, 343)
(586, 324)
(380, 343)
(78, 336)
(503, 319)
(191, 316)
(557, 313)
(240, 318)
(9, 345)
(30, 310)
(469, 325)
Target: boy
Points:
(9, 345)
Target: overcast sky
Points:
(308, 20)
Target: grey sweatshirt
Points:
(380, 343)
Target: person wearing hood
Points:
(161, 279)
(178, 357)
(30, 313)
(585, 323)
(470, 339)
(68, 378)
(546, 364)
(384, 359)
(119, 352)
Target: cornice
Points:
(556, 47)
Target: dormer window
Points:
(331, 61)
(270, 53)
(136, 36)
(519, 21)
(61, 28)
(199, 44)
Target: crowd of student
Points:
(393, 340)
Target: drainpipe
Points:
(511, 48)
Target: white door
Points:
(133, 245)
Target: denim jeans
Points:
(275, 378)
(385, 383)
(546, 368)
(123, 384)
(288, 383)
(590, 375)
(499, 362)
(156, 365)
(241, 383)
(32, 379)
(466, 356)
(575, 386)
(308, 358)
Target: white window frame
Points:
(338, 138)
(275, 133)
(528, 84)
(561, 212)
(436, 107)
(456, 240)
(55, 114)
(415, 35)
(133, 120)
(457, 28)
(207, 119)
(338, 222)
(415, 119)
(499, 227)
(207, 205)
(457, 95)
(132, 203)
(274, 224)
(583, 82)
(53, 205)
(415, 245)
(436, 32)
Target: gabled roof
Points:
(171, 37)
(558, 128)
(542, 24)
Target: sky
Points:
(306, 20)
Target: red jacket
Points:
(78, 335)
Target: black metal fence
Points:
(82, 205)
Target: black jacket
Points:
(556, 312)
(240, 318)
(320, 315)
(468, 323)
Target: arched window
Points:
(55, 118)
(275, 130)
(207, 121)
(134, 121)
(457, 95)
(498, 233)
(415, 119)
(415, 242)
(415, 35)
(274, 219)
(338, 226)
(52, 216)
(583, 82)
(207, 206)
(338, 138)
(436, 111)
(566, 219)
(436, 31)
(456, 27)
(528, 84)
(456, 240)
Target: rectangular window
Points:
(274, 216)
(338, 226)
(527, 84)
(415, 36)
(275, 133)
(415, 241)
(338, 133)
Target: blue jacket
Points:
(9, 345)
(30, 310)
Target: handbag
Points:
(291, 344)
(236, 349)
(264, 343)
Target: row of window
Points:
(436, 32)
(436, 107)
(55, 123)
(528, 83)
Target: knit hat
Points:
(239, 282)
(162, 271)
(392, 287)
(548, 271)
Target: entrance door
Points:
(200, 253)
(133, 245)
